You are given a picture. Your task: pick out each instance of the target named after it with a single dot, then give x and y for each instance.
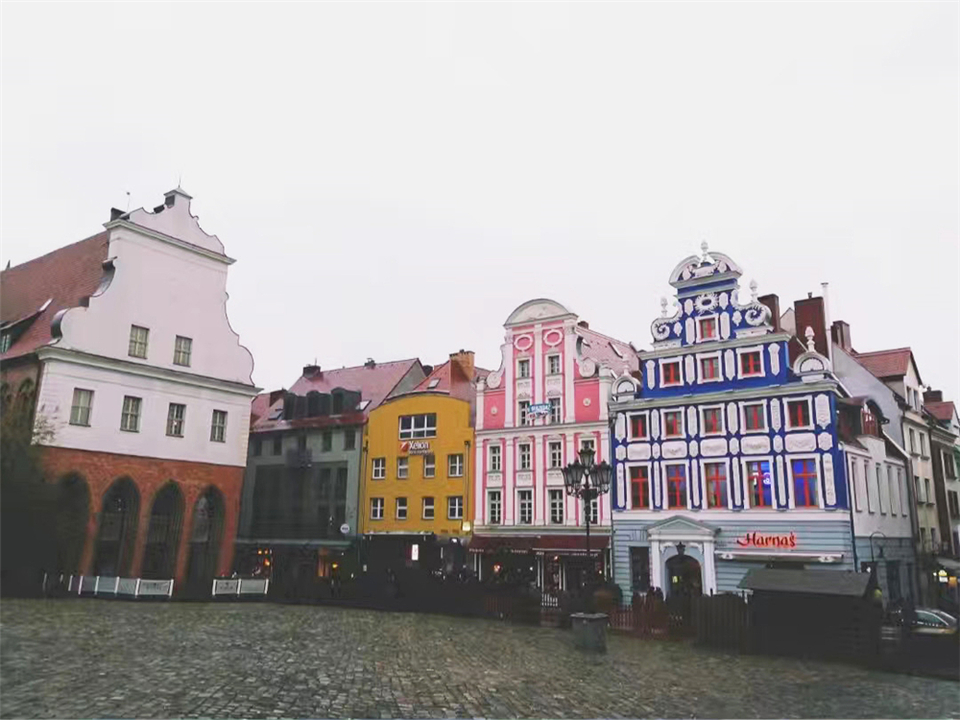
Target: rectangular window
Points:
(716, 477)
(672, 423)
(138, 341)
(455, 465)
(923, 444)
(589, 444)
(181, 351)
(555, 410)
(525, 456)
(918, 489)
(379, 468)
(130, 415)
(594, 511)
(525, 502)
(553, 364)
(712, 419)
(523, 412)
(671, 373)
(902, 484)
(750, 364)
(798, 413)
(556, 507)
(892, 493)
(326, 441)
(638, 427)
(556, 455)
(401, 508)
(759, 483)
(418, 426)
(754, 417)
(804, 483)
(455, 507)
(640, 569)
(880, 499)
(82, 404)
(428, 508)
(175, 417)
(709, 368)
(708, 328)
(495, 458)
(494, 507)
(913, 441)
(676, 486)
(639, 488)
(926, 490)
(403, 465)
(523, 368)
(376, 508)
(429, 466)
(349, 439)
(277, 444)
(869, 488)
(218, 426)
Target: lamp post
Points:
(872, 560)
(585, 480)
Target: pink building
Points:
(545, 402)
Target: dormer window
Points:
(708, 328)
(433, 383)
(5, 339)
(523, 368)
(670, 373)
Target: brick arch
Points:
(117, 528)
(161, 541)
(205, 538)
(73, 512)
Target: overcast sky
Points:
(394, 179)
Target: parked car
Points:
(930, 622)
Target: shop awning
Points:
(810, 582)
(560, 544)
(948, 564)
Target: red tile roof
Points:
(63, 276)
(887, 363)
(608, 352)
(942, 411)
(259, 407)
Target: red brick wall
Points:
(101, 469)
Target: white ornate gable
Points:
(174, 220)
(679, 527)
(538, 310)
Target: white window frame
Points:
(592, 442)
(723, 421)
(668, 361)
(663, 423)
(699, 326)
(629, 481)
(523, 413)
(904, 495)
(699, 357)
(630, 416)
(786, 407)
(705, 487)
(379, 468)
(454, 507)
(525, 456)
(666, 482)
(420, 426)
(555, 405)
(376, 508)
(182, 356)
(551, 444)
(455, 465)
(524, 362)
(745, 351)
(520, 502)
(550, 359)
(430, 464)
(491, 495)
(791, 489)
(135, 342)
(743, 417)
(878, 470)
(403, 468)
(126, 412)
(857, 499)
(495, 458)
(398, 508)
(172, 419)
(594, 509)
(892, 490)
(80, 414)
(552, 493)
(745, 489)
(424, 506)
(218, 431)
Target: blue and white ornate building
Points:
(725, 455)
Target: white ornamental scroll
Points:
(621, 428)
(729, 364)
(737, 496)
(651, 366)
(656, 451)
(621, 452)
(621, 485)
(782, 500)
(656, 485)
(725, 326)
(691, 331)
(694, 448)
(690, 368)
(822, 405)
(775, 418)
(691, 420)
(829, 484)
(733, 417)
(774, 351)
(638, 451)
(695, 484)
(655, 424)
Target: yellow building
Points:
(418, 472)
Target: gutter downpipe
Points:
(363, 476)
(853, 529)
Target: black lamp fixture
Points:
(681, 549)
(585, 480)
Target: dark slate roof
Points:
(810, 582)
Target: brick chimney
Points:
(312, 371)
(810, 312)
(772, 301)
(464, 358)
(933, 396)
(276, 395)
(840, 331)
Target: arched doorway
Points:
(163, 535)
(70, 525)
(205, 535)
(684, 582)
(118, 529)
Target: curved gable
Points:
(538, 310)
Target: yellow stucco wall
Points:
(383, 441)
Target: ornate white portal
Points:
(694, 535)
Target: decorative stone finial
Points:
(663, 307)
(753, 290)
(703, 250)
(809, 335)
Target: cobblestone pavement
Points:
(97, 658)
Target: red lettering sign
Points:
(755, 539)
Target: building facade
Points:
(726, 457)
(416, 490)
(546, 401)
(143, 388)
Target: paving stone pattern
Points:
(108, 659)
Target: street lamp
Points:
(872, 560)
(585, 480)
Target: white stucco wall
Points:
(874, 510)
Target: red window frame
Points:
(715, 424)
(677, 426)
(750, 363)
(638, 426)
(710, 322)
(671, 373)
(710, 362)
(639, 487)
(754, 472)
(752, 415)
(716, 475)
(802, 408)
(676, 486)
(805, 491)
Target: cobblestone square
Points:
(96, 658)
